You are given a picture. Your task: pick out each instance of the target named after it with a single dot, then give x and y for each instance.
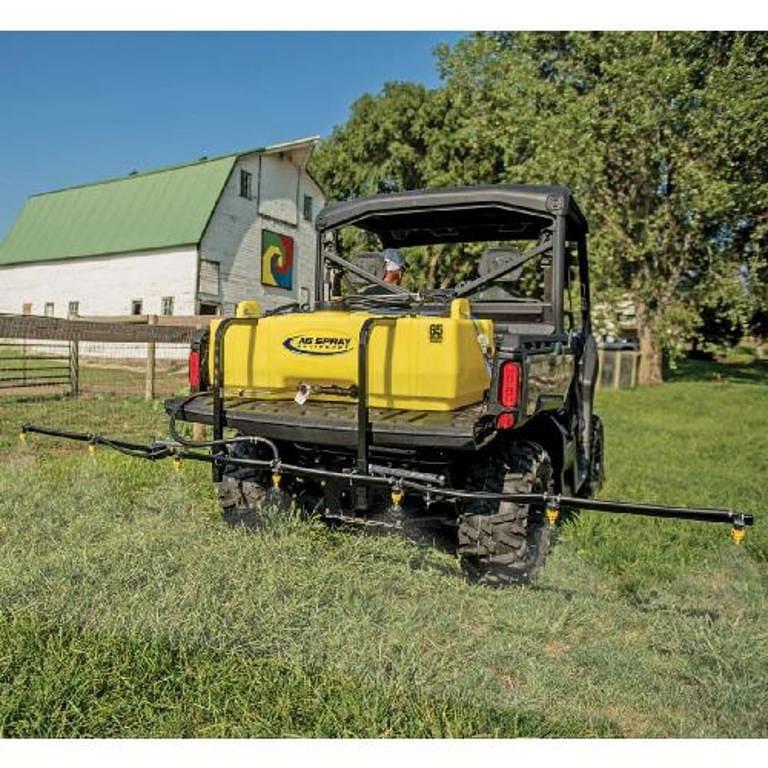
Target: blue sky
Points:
(77, 107)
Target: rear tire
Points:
(504, 542)
(243, 492)
(597, 457)
(241, 502)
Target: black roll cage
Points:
(507, 209)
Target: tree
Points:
(662, 136)
(381, 147)
(757, 318)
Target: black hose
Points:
(393, 301)
(137, 450)
(251, 440)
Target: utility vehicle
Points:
(464, 408)
(484, 385)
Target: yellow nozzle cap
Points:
(397, 497)
(738, 533)
(22, 437)
(276, 479)
(91, 448)
(553, 515)
(176, 464)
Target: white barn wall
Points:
(106, 285)
(233, 236)
(307, 238)
(277, 190)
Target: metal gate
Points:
(36, 364)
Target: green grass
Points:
(127, 609)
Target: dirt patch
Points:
(555, 649)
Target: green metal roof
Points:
(156, 209)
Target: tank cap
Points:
(460, 309)
(248, 308)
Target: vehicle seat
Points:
(372, 262)
(496, 257)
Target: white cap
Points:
(393, 261)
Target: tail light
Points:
(509, 384)
(193, 371)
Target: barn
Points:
(187, 239)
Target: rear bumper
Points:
(335, 424)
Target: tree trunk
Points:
(651, 359)
(759, 343)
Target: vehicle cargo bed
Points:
(333, 423)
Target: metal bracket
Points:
(218, 386)
(363, 415)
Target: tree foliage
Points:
(381, 148)
(663, 137)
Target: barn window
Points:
(308, 207)
(167, 307)
(48, 309)
(246, 179)
(208, 308)
(74, 309)
(137, 307)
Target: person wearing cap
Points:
(394, 266)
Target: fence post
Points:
(149, 383)
(600, 360)
(74, 368)
(24, 362)
(616, 369)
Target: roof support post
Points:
(558, 272)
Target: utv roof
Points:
(455, 214)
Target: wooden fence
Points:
(61, 357)
(47, 346)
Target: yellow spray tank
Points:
(421, 362)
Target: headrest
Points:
(495, 258)
(372, 262)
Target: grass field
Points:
(127, 609)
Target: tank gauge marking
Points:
(436, 333)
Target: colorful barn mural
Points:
(276, 260)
